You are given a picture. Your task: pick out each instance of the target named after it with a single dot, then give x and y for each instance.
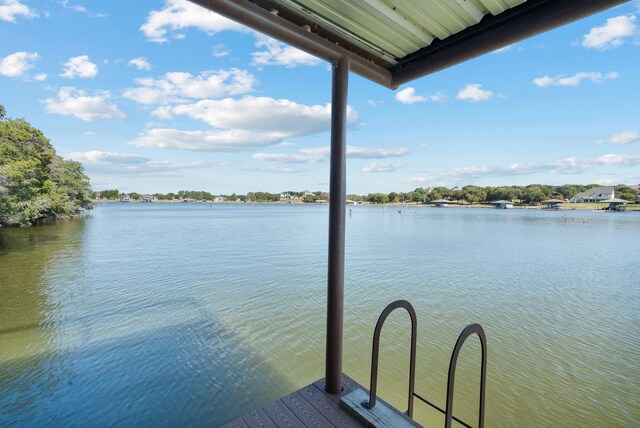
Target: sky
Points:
(162, 96)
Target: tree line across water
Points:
(531, 194)
(36, 183)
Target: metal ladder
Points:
(448, 412)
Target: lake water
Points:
(164, 315)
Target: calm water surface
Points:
(163, 315)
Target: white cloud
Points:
(509, 48)
(140, 63)
(261, 115)
(278, 53)
(382, 167)
(571, 165)
(611, 34)
(373, 153)
(408, 96)
(622, 138)
(285, 144)
(79, 66)
(81, 9)
(179, 86)
(242, 124)
(575, 80)
(134, 164)
(219, 51)
(76, 103)
(41, 77)
(305, 155)
(95, 157)
(131, 164)
(438, 96)
(321, 154)
(10, 9)
(17, 64)
(208, 141)
(474, 92)
(181, 14)
(76, 7)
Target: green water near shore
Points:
(192, 315)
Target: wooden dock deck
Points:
(311, 407)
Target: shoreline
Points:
(566, 207)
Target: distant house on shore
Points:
(98, 196)
(123, 197)
(595, 194)
(441, 202)
(148, 198)
(286, 197)
(503, 204)
(322, 201)
(218, 199)
(553, 204)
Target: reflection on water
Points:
(73, 350)
(27, 315)
(166, 315)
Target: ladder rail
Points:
(370, 404)
(468, 331)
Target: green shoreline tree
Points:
(36, 183)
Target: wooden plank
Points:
(306, 412)
(281, 415)
(312, 407)
(329, 408)
(349, 384)
(381, 416)
(238, 423)
(258, 419)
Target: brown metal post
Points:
(337, 207)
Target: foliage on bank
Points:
(532, 194)
(36, 183)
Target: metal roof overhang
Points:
(330, 29)
(390, 42)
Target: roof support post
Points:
(337, 207)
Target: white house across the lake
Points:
(595, 194)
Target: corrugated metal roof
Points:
(392, 42)
(394, 29)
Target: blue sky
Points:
(161, 96)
